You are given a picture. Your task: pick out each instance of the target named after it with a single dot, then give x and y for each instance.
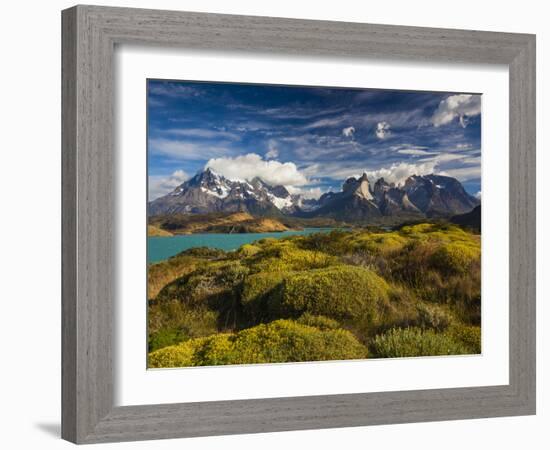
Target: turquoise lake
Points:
(159, 248)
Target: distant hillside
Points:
(471, 219)
(156, 231)
(361, 200)
(214, 223)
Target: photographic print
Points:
(292, 223)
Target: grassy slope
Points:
(161, 273)
(411, 292)
(156, 231)
(215, 223)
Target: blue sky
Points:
(309, 139)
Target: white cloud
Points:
(307, 193)
(397, 173)
(478, 195)
(415, 152)
(461, 106)
(348, 132)
(472, 160)
(445, 157)
(296, 112)
(159, 185)
(252, 165)
(464, 173)
(173, 90)
(382, 130)
(272, 151)
(184, 150)
(326, 122)
(204, 133)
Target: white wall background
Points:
(30, 224)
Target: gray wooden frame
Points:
(89, 37)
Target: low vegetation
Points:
(401, 342)
(213, 223)
(414, 291)
(278, 341)
(156, 231)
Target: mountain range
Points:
(359, 200)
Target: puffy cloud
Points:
(248, 166)
(461, 106)
(159, 186)
(397, 173)
(382, 130)
(307, 193)
(348, 132)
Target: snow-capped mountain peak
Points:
(422, 195)
(209, 191)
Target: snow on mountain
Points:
(209, 191)
(427, 196)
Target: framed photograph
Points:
(268, 222)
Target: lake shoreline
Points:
(161, 248)
(189, 233)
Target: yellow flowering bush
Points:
(279, 341)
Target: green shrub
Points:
(336, 242)
(267, 241)
(172, 321)
(203, 252)
(285, 256)
(164, 272)
(468, 335)
(403, 310)
(461, 293)
(201, 303)
(433, 316)
(380, 243)
(409, 266)
(441, 232)
(206, 282)
(279, 341)
(320, 322)
(421, 228)
(180, 355)
(348, 294)
(256, 293)
(455, 257)
(165, 337)
(403, 342)
(248, 250)
(442, 247)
